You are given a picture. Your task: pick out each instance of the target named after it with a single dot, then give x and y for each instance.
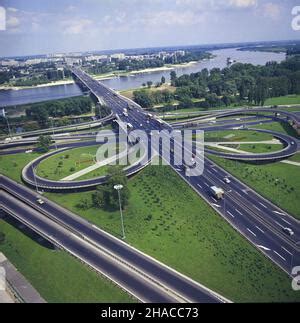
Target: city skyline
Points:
(77, 26)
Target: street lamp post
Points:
(53, 133)
(36, 186)
(6, 118)
(118, 189)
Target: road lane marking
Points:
(199, 186)
(258, 228)
(251, 232)
(239, 212)
(230, 214)
(263, 247)
(238, 194)
(279, 224)
(214, 199)
(279, 255)
(256, 207)
(286, 221)
(206, 184)
(280, 213)
(216, 205)
(287, 251)
(262, 205)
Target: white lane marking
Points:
(251, 232)
(262, 205)
(256, 207)
(245, 192)
(280, 213)
(230, 214)
(215, 170)
(238, 194)
(279, 255)
(279, 224)
(216, 205)
(286, 221)
(209, 171)
(238, 212)
(214, 199)
(199, 186)
(258, 228)
(287, 251)
(206, 184)
(263, 247)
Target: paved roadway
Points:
(150, 268)
(255, 218)
(129, 280)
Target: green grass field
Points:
(295, 158)
(167, 220)
(276, 181)
(259, 148)
(66, 163)
(281, 127)
(282, 100)
(56, 275)
(236, 136)
(12, 165)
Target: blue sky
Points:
(40, 26)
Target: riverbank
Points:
(56, 83)
(106, 76)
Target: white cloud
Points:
(75, 27)
(243, 3)
(215, 5)
(13, 22)
(271, 10)
(185, 18)
(10, 9)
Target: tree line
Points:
(240, 83)
(73, 106)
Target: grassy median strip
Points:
(167, 220)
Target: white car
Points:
(227, 180)
(40, 201)
(288, 231)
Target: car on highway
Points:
(40, 201)
(288, 231)
(227, 180)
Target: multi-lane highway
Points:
(167, 279)
(258, 220)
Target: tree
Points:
(106, 196)
(143, 99)
(117, 176)
(173, 77)
(98, 197)
(44, 143)
(163, 80)
(149, 84)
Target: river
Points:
(37, 94)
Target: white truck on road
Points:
(217, 192)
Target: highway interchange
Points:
(257, 219)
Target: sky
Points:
(51, 26)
